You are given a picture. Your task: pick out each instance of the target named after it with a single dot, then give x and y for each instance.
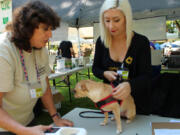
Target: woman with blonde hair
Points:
(122, 56)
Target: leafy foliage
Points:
(171, 25)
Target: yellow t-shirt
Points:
(16, 99)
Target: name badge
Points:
(124, 73)
(35, 90)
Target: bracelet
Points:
(56, 114)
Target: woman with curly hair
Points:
(24, 70)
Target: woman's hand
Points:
(122, 91)
(63, 122)
(110, 75)
(36, 130)
(39, 130)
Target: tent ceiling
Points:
(88, 10)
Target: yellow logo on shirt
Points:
(129, 60)
(113, 68)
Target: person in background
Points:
(120, 49)
(25, 68)
(65, 49)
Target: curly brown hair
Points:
(27, 18)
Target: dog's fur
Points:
(97, 91)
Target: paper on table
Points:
(167, 131)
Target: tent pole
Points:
(78, 35)
(79, 44)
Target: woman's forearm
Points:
(47, 100)
(9, 124)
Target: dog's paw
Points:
(112, 118)
(103, 123)
(118, 132)
(128, 121)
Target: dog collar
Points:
(106, 101)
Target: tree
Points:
(171, 26)
(177, 22)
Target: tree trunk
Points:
(177, 25)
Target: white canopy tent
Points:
(82, 13)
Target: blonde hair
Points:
(122, 5)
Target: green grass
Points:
(66, 105)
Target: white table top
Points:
(140, 125)
(65, 72)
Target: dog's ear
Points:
(83, 87)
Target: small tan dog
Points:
(97, 91)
